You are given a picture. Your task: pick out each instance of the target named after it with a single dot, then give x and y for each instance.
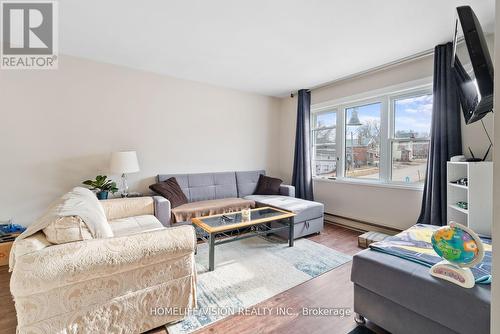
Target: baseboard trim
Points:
(359, 225)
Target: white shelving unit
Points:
(478, 194)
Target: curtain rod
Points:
(385, 66)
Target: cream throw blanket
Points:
(188, 211)
(79, 202)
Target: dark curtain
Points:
(446, 137)
(302, 174)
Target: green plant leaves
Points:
(101, 183)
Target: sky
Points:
(366, 113)
(411, 114)
(326, 120)
(414, 114)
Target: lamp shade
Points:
(124, 162)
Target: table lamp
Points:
(123, 163)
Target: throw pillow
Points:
(67, 229)
(268, 185)
(171, 190)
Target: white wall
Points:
(393, 207)
(58, 128)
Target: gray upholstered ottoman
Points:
(402, 297)
(309, 214)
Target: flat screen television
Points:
(474, 69)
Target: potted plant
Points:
(102, 185)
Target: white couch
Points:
(109, 285)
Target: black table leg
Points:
(290, 231)
(211, 251)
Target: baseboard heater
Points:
(359, 225)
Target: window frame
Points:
(313, 138)
(392, 127)
(361, 103)
(387, 98)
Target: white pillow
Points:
(67, 229)
(82, 203)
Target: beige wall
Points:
(495, 292)
(58, 128)
(394, 207)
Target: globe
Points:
(458, 245)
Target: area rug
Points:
(250, 271)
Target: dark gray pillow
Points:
(171, 190)
(268, 185)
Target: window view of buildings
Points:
(324, 144)
(407, 140)
(362, 141)
(410, 146)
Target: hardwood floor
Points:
(8, 320)
(332, 289)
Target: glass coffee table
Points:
(229, 227)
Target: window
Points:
(362, 141)
(324, 153)
(382, 139)
(411, 138)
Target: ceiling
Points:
(261, 46)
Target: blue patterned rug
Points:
(250, 271)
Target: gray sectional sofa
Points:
(242, 184)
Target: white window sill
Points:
(370, 183)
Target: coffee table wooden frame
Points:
(218, 235)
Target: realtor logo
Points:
(29, 35)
